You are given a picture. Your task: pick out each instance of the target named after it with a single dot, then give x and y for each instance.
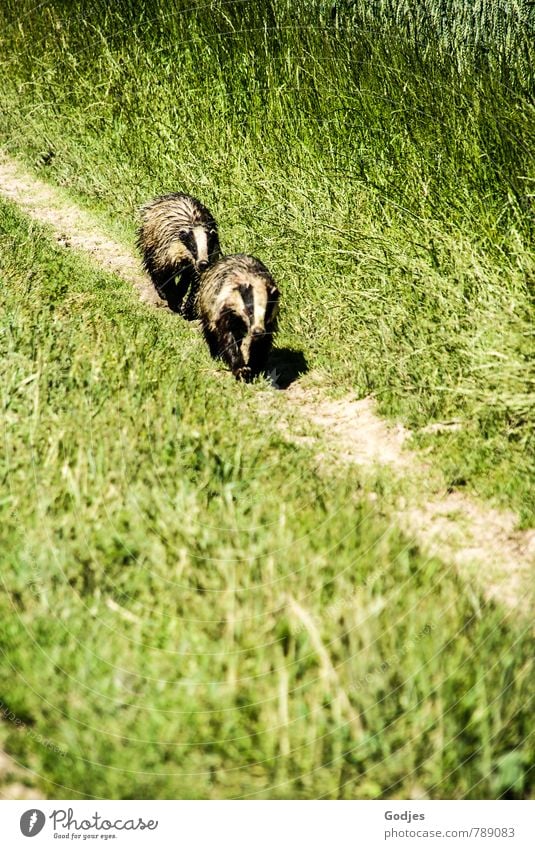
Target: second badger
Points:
(237, 304)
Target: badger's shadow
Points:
(284, 366)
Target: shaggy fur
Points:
(238, 304)
(178, 240)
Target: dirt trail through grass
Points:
(481, 542)
(72, 227)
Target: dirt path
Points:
(72, 226)
(481, 542)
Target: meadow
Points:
(190, 605)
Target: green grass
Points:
(152, 533)
(384, 173)
(153, 525)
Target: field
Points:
(192, 604)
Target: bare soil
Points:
(482, 542)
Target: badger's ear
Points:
(183, 233)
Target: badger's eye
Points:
(183, 234)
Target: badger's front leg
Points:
(259, 352)
(188, 307)
(170, 287)
(230, 350)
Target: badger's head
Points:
(200, 245)
(257, 302)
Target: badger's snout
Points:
(202, 265)
(257, 331)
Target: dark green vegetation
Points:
(152, 529)
(153, 537)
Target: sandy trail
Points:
(480, 541)
(72, 226)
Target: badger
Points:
(178, 240)
(237, 304)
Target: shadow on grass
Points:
(285, 365)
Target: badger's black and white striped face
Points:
(202, 244)
(254, 309)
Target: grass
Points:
(189, 608)
(388, 186)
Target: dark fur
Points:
(169, 250)
(231, 292)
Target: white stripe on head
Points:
(260, 306)
(201, 240)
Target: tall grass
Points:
(379, 159)
(171, 567)
(189, 608)
(477, 34)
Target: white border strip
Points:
(269, 824)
